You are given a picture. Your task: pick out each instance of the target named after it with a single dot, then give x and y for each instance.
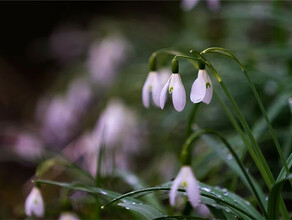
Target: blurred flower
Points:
(28, 146)
(116, 130)
(152, 85)
(34, 204)
(105, 58)
(186, 179)
(60, 114)
(203, 210)
(68, 42)
(68, 216)
(174, 85)
(202, 88)
(188, 5)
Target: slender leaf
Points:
(274, 198)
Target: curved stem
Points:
(227, 53)
(192, 119)
(187, 149)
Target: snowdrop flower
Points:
(202, 88)
(186, 179)
(152, 85)
(68, 216)
(175, 87)
(34, 204)
(188, 5)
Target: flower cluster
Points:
(202, 90)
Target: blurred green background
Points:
(62, 64)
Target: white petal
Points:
(188, 5)
(209, 90)
(146, 91)
(203, 210)
(198, 91)
(175, 185)
(178, 94)
(156, 89)
(192, 189)
(68, 216)
(163, 94)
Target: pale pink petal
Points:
(156, 89)
(34, 204)
(178, 93)
(163, 94)
(198, 90)
(188, 5)
(146, 92)
(214, 5)
(192, 189)
(209, 91)
(175, 185)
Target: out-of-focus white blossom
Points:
(28, 146)
(105, 58)
(68, 42)
(68, 216)
(116, 130)
(152, 86)
(34, 203)
(60, 115)
(188, 5)
(203, 211)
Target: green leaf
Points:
(181, 218)
(274, 198)
(130, 204)
(221, 197)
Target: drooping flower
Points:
(175, 87)
(68, 216)
(152, 85)
(188, 5)
(187, 180)
(34, 203)
(202, 88)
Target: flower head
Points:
(175, 87)
(68, 216)
(34, 204)
(186, 179)
(152, 85)
(202, 88)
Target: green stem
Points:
(192, 119)
(267, 121)
(187, 152)
(223, 51)
(263, 165)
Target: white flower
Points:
(188, 5)
(174, 85)
(34, 204)
(68, 216)
(153, 85)
(186, 179)
(202, 88)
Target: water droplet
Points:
(133, 203)
(103, 192)
(206, 189)
(225, 193)
(102, 207)
(227, 210)
(224, 190)
(247, 202)
(229, 157)
(127, 208)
